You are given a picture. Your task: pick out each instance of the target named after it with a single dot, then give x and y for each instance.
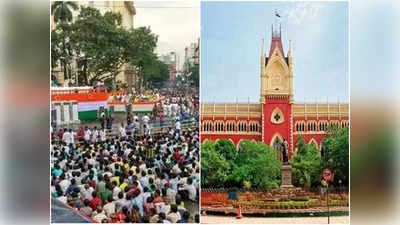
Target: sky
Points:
(231, 47)
(374, 50)
(176, 23)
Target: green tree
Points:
(301, 146)
(257, 163)
(101, 45)
(60, 43)
(62, 11)
(226, 148)
(214, 167)
(306, 164)
(194, 75)
(142, 54)
(336, 153)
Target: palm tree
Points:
(62, 11)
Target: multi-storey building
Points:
(276, 117)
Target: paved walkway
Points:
(287, 220)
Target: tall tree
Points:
(101, 45)
(257, 163)
(306, 165)
(336, 153)
(142, 54)
(214, 167)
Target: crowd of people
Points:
(128, 177)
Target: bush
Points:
(300, 198)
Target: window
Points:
(311, 126)
(253, 127)
(207, 126)
(242, 126)
(334, 123)
(230, 126)
(323, 125)
(300, 126)
(345, 123)
(219, 126)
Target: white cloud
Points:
(176, 23)
(302, 12)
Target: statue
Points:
(278, 146)
(285, 147)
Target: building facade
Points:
(276, 117)
(171, 60)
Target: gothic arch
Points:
(276, 135)
(238, 144)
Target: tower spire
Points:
(262, 58)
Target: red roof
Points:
(276, 42)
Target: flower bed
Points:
(274, 201)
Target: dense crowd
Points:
(129, 176)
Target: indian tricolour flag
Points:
(89, 102)
(90, 109)
(137, 108)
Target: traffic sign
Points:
(327, 175)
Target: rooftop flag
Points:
(277, 14)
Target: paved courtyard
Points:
(288, 220)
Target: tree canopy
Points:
(306, 164)
(100, 46)
(335, 153)
(253, 162)
(214, 167)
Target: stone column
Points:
(286, 176)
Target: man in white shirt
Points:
(122, 131)
(64, 183)
(102, 135)
(87, 192)
(109, 207)
(178, 127)
(87, 134)
(171, 193)
(66, 136)
(95, 135)
(190, 188)
(146, 120)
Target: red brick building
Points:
(276, 116)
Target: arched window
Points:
(230, 126)
(219, 126)
(253, 127)
(311, 126)
(300, 125)
(323, 125)
(242, 126)
(207, 126)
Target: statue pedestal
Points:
(286, 176)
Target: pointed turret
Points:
(276, 42)
(262, 70)
(290, 62)
(262, 57)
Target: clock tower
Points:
(276, 94)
